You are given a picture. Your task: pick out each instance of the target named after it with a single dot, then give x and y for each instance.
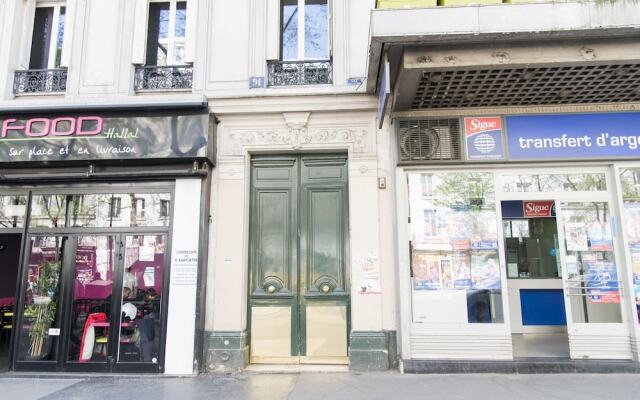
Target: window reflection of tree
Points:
(54, 213)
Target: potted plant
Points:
(41, 313)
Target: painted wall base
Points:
(373, 350)
(519, 366)
(226, 352)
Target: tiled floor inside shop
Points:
(535, 345)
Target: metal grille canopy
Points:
(528, 86)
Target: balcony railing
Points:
(163, 77)
(40, 81)
(295, 73)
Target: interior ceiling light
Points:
(564, 93)
(469, 96)
(435, 77)
(620, 72)
(527, 75)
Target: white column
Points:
(181, 317)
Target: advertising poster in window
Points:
(602, 281)
(576, 236)
(426, 271)
(485, 270)
(461, 263)
(600, 236)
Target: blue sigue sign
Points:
(483, 137)
(573, 136)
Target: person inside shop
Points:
(147, 325)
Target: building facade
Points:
(515, 130)
(191, 186)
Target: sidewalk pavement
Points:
(334, 386)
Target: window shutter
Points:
(67, 39)
(273, 29)
(191, 34)
(29, 14)
(140, 31)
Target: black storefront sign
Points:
(105, 136)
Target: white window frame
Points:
(171, 40)
(301, 33)
(55, 25)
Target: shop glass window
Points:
(13, 210)
(630, 181)
(166, 34)
(554, 183)
(119, 210)
(40, 328)
(46, 40)
(312, 41)
(142, 294)
(48, 211)
(455, 268)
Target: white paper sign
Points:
(11, 210)
(54, 331)
(147, 253)
(370, 278)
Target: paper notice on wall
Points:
(370, 275)
(576, 236)
(184, 267)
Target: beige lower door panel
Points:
(326, 326)
(271, 335)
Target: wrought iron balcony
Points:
(40, 81)
(163, 77)
(293, 73)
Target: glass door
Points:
(115, 307)
(141, 305)
(40, 322)
(90, 334)
(591, 279)
(589, 253)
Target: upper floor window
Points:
(311, 42)
(167, 32)
(46, 41)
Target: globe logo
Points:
(484, 143)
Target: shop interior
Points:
(536, 296)
(9, 266)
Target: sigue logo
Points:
(62, 126)
(482, 124)
(538, 208)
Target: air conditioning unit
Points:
(428, 140)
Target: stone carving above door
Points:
(233, 142)
(296, 134)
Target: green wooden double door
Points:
(299, 241)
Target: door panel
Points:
(91, 300)
(323, 249)
(273, 259)
(591, 285)
(41, 320)
(298, 252)
(139, 331)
